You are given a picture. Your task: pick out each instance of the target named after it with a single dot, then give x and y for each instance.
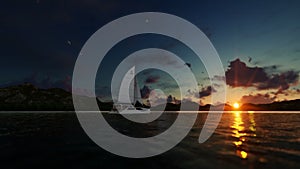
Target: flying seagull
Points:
(249, 59)
(188, 64)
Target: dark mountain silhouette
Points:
(291, 105)
(28, 97)
(176, 107)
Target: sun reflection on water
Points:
(238, 125)
(242, 154)
(241, 131)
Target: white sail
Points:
(129, 95)
(129, 90)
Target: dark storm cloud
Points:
(152, 79)
(240, 75)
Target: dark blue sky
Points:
(40, 40)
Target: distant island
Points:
(27, 97)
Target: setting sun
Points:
(236, 105)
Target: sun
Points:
(236, 105)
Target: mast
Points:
(137, 92)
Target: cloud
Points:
(155, 101)
(258, 99)
(280, 81)
(240, 75)
(152, 79)
(206, 91)
(172, 99)
(157, 98)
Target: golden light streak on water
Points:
(242, 129)
(243, 154)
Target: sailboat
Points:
(129, 99)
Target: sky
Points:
(257, 41)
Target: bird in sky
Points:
(249, 59)
(188, 65)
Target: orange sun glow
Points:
(236, 105)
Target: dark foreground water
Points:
(242, 140)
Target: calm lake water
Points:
(242, 140)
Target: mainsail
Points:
(129, 90)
